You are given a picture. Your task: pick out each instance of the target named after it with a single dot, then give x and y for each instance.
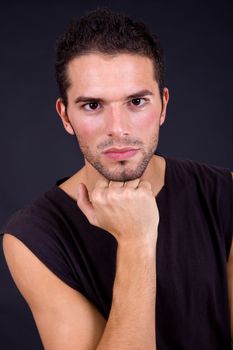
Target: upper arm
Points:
(64, 317)
(230, 284)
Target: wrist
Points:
(138, 248)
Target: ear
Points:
(61, 110)
(165, 102)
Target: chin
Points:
(122, 175)
(121, 171)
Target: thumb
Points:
(84, 203)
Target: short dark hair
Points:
(110, 33)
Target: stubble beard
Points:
(122, 172)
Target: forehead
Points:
(97, 74)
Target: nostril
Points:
(120, 134)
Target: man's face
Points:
(115, 111)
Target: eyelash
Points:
(129, 102)
(139, 98)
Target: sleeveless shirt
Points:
(194, 240)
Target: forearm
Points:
(131, 323)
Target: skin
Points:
(110, 193)
(114, 78)
(114, 101)
(116, 122)
(119, 122)
(71, 320)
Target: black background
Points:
(35, 151)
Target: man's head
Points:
(112, 94)
(109, 33)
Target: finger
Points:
(84, 203)
(132, 183)
(102, 183)
(116, 184)
(145, 184)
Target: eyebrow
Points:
(140, 94)
(134, 95)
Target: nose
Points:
(116, 122)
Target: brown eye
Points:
(136, 101)
(93, 105)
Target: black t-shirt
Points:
(194, 240)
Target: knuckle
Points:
(129, 192)
(97, 196)
(101, 182)
(113, 194)
(144, 192)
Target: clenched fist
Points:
(127, 210)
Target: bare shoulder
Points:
(230, 258)
(64, 317)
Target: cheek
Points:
(87, 129)
(149, 121)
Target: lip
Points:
(120, 153)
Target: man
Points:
(101, 263)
